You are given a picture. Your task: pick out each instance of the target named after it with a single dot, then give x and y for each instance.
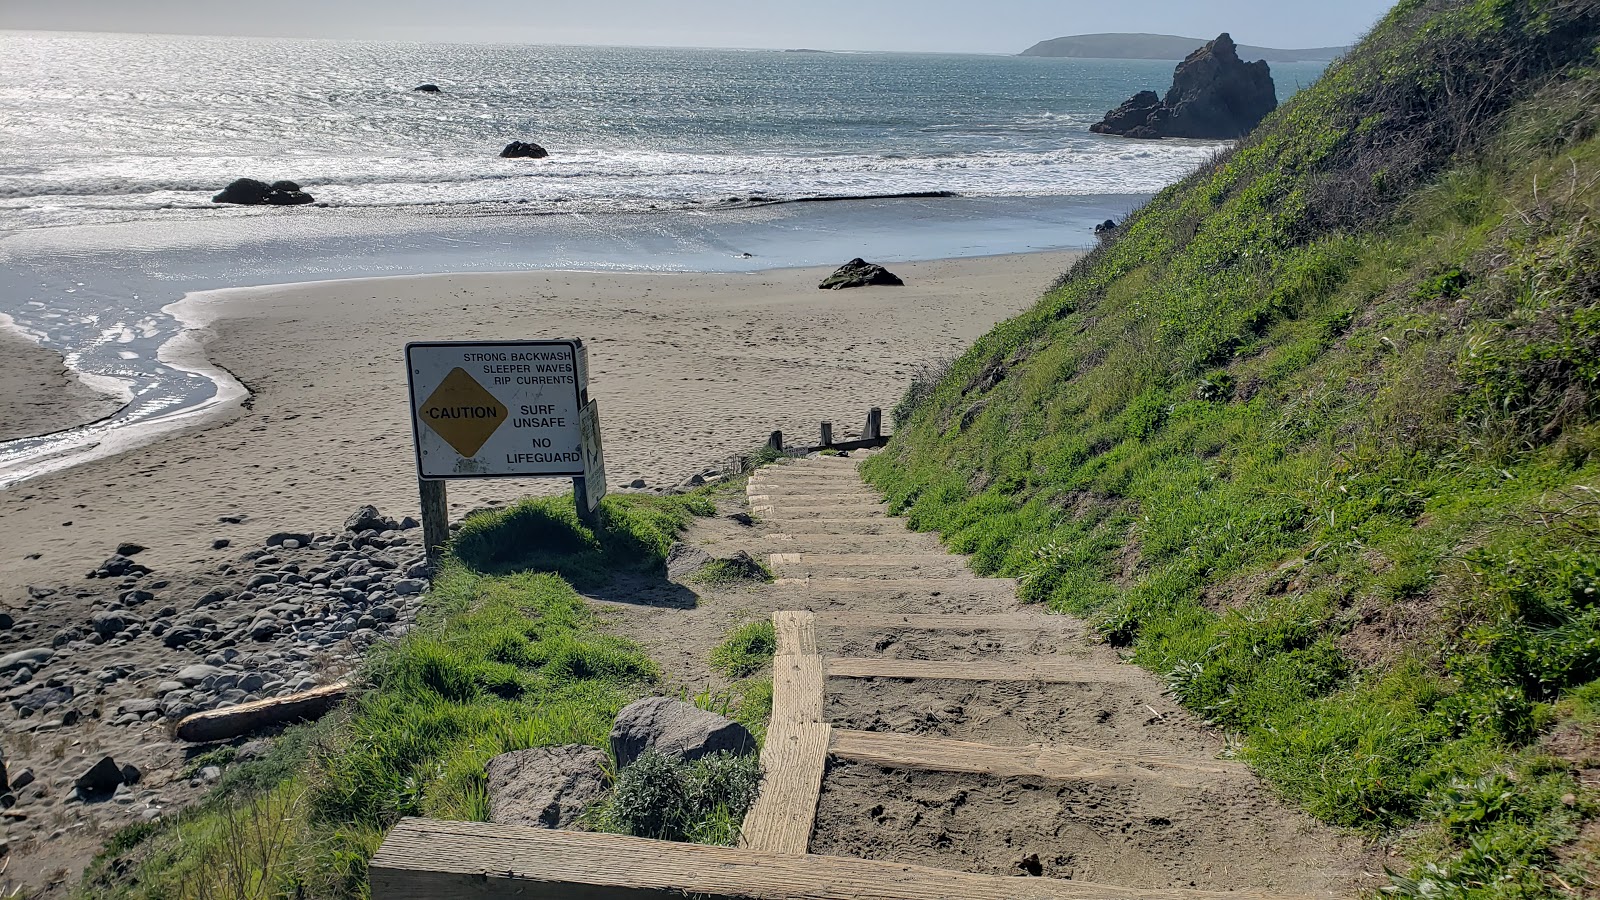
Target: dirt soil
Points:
(840, 551)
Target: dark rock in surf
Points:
(250, 192)
(859, 273)
(428, 89)
(523, 150)
(1143, 111)
(1215, 95)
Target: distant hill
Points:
(1163, 46)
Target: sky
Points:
(986, 26)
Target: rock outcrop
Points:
(859, 273)
(1214, 95)
(674, 728)
(427, 88)
(250, 192)
(523, 150)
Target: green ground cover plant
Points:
(746, 650)
(506, 656)
(1314, 437)
(702, 801)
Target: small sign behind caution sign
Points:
(497, 409)
(594, 460)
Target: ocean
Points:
(660, 159)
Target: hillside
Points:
(1315, 439)
(1162, 46)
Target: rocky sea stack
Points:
(1215, 95)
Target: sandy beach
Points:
(688, 368)
(38, 394)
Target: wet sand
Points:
(38, 394)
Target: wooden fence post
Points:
(775, 442)
(874, 425)
(435, 519)
(827, 435)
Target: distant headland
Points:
(1162, 46)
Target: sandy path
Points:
(688, 368)
(1193, 820)
(37, 393)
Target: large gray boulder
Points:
(674, 728)
(546, 787)
(1214, 95)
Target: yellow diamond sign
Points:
(463, 412)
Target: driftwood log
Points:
(233, 721)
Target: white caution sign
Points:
(497, 409)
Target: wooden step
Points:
(875, 524)
(868, 559)
(780, 498)
(1062, 762)
(795, 754)
(1045, 669)
(958, 586)
(425, 858)
(1017, 621)
(830, 511)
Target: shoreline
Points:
(82, 441)
(72, 289)
(692, 368)
(43, 393)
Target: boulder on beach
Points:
(101, 780)
(250, 192)
(1215, 95)
(428, 89)
(547, 787)
(674, 728)
(523, 150)
(859, 273)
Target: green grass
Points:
(746, 650)
(506, 657)
(740, 567)
(1315, 436)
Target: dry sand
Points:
(38, 394)
(688, 370)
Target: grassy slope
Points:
(1315, 437)
(507, 656)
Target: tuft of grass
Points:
(739, 567)
(544, 534)
(746, 650)
(668, 798)
(506, 656)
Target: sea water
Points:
(111, 147)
